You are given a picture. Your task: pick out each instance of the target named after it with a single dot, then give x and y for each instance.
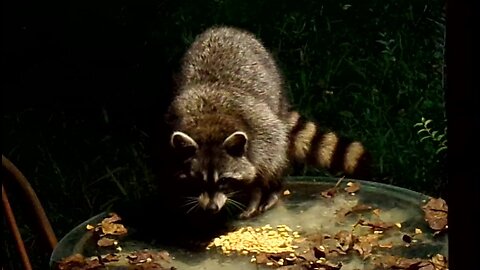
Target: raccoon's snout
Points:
(212, 207)
(213, 203)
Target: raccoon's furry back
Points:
(229, 82)
(236, 61)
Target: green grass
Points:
(367, 69)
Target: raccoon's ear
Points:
(236, 144)
(183, 144)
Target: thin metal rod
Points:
(12, 223)
(41, 217)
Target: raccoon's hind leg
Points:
(255, 199)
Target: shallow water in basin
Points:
(306, 212)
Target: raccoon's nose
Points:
(212, 207)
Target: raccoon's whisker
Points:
(192, 208)
(233, 206)
(232, 201)
(232, 193)
(190, 198)
(228, 209)
(189, 203)
(237, 204)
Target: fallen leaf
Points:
(106, 242)
(352, 187)
(436, 214)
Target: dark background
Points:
(85, 85)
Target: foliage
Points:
(440, 139)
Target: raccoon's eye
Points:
(226, 181)
(197, 175)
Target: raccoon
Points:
(233, 131)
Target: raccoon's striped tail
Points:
(312, 146)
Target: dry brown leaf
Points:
(440, 262)
(113, 229)
(113, 217)
(345, 240)
(377, 225)
(365, 243)
(329, 193)
(110, 258)
(79, 262)
(106, 242)
(352, 187)
(436, 214)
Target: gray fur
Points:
(228, 73)
(229, 83)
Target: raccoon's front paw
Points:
(270, 202)
(256, 208)
(248, 213)
(253, 206)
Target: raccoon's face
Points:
(215, 172)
